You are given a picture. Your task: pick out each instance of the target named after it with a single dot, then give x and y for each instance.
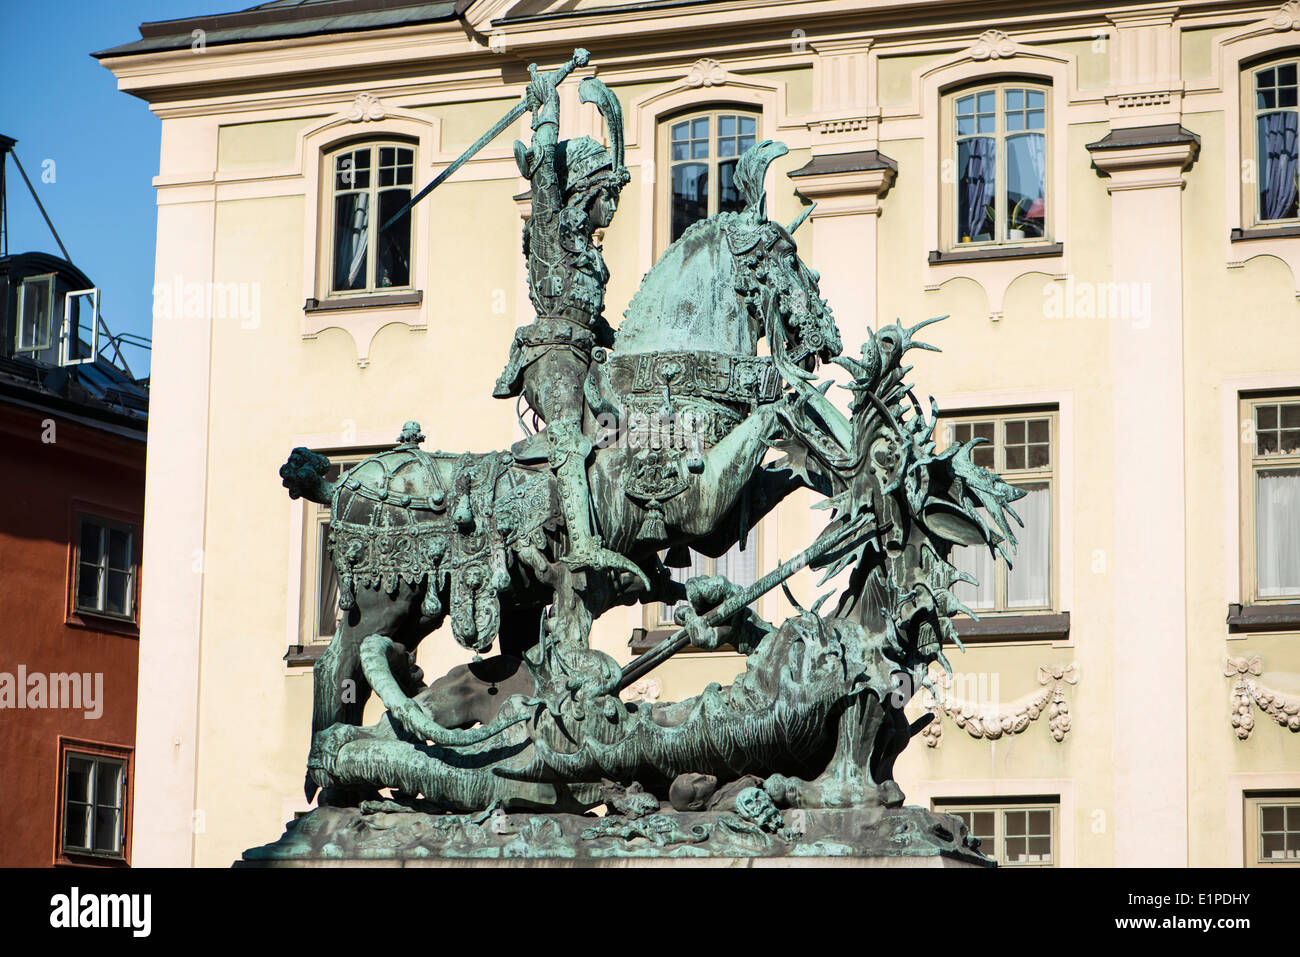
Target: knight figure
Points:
(575, 189)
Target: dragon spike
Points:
(908, 342)
(821, 601)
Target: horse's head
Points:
(731, 279)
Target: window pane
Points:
(77, 783)
(108, 829)
(34, 329)
(1015, 432)
(1040, 850)
(1277, 532)
(690, 196)
(1028, 578)
(92, 537)
(1276, 143)
(108, 784)
(1026, 185)
(394, 266)
(117, 594)
(1291, 415)
(1016, 850)
(76, 826)
(976, 189)
(327, 587)
(119, 548)
(351, 237)
(726, 126)
(88, 578)
(1271, 818)
(1015, 823)
(975, 560)
(352, 170)
(729, 199)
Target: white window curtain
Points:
(975, 560)
(1027, 581)
(739, 567)
(1277, 532)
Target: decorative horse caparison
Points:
(682, 412)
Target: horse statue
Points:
(656, 443)
(681, 413)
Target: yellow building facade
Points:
(1102, 200)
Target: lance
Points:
(579, 58)
(681, 638)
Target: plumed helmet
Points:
(579, 160)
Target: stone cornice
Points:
(844, 184)
(1145, 157)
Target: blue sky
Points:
(62, 106)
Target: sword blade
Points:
(517, 111)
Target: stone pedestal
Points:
(849, 837)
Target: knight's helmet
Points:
(582, 161)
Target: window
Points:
(105, 568)
(1271, 498)
(35, 315)
(1273, 118)
(94, 804)
(1021, 447)
(1273, 830)
(369, 184)
(999, 148)
(699, 152)
(1023, 834)
(80, 335)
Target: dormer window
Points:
(35, 315)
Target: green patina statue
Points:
(656, 440)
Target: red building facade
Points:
(72, 452)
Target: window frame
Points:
(32, 351)
(1250, 198)
(1019, 477)
(80, 518)
(328, 219)
(1253, 804)
(96, 752)
(663, 159)
(1000, 807)
(1251, 461)
(949, 240)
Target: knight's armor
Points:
(575, 186)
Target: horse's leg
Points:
(727, 470)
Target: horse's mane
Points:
(688, 301)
